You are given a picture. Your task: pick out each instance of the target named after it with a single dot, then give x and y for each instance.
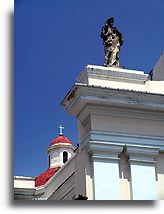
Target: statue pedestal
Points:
(112, 77)
(114, 110)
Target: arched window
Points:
(65, 156)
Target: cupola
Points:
(59, 151)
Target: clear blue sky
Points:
(54, 40)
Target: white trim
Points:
(98, 67)
(82, 94)
(17, 177)
(59, 145)
(138, 153)
(128, 139)
(104, 157)
(112, 73)
(104, 150)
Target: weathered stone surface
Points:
(112, 40)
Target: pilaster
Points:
(105, 159)
(142, 161)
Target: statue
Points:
(112, 41)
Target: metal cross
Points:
(61, 129)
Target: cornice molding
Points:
(104, 151)
(82, 94)
(137, 153)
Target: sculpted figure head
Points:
(110, 21)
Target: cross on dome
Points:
(61, 129)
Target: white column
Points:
(105, 170)
(143, 176)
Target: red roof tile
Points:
(61, 139)
(45, 176)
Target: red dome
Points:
(45, 176)
(61, 139)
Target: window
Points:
(65, 157)
(49, 162)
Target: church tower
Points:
(59, 151)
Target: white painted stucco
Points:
(120, 115)
(118, 78)
(144, 186)
(106, 180)
(56, 153)
(122, 107)
(24, 182)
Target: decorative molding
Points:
(144, 154)
(104, 157)
(119, 138)
(114, 97)
(104, 151)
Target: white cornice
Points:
(81, 94)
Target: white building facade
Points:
(120, 116)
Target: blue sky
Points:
(54, 40)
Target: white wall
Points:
(106, 180)
(24, 182)
(143, 182)
(56, 154)
(132, 116)
(128, 121)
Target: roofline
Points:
(24, 177)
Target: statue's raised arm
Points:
(112, 40)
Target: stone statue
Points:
(112, 41)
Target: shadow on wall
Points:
(160, 175)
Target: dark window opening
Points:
(49, 160)
(65, 157)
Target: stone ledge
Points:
(111, 74)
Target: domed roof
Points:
(61, 139)
(45, 176)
